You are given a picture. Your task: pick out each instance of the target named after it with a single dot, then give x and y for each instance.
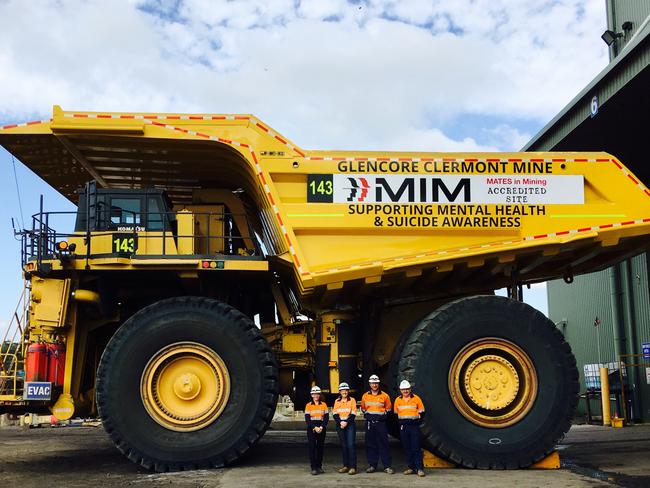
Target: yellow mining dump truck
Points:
(213, 264)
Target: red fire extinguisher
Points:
(36, 363)
(56, 364)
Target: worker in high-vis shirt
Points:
(316, 416)
(410, 410)
(344, 412)
(376, 406)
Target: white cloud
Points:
(324, 9)
(505, 137)
(432, 140)
(328, 74)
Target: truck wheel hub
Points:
(492, 382)
(185, 386)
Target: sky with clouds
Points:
(329, 74)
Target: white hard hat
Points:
(344, 386)
(373, 379)
(404, 385)
(315, 389)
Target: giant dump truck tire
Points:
(186, 383)
(498, 381)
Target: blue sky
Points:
(329, 74)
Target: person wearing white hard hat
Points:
(316, 416)
(376, 406)
(344, 412)
(410, 410)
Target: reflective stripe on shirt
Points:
(345, 408)
(409, 408)
(375, 405)
(316, 412)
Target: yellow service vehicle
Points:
(213, 264)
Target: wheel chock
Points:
(552, 461)
(433, 461)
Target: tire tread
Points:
(436, 325)
(265, 410)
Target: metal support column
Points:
(617, 312)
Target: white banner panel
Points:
(461, 189)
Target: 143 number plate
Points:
(125, 243)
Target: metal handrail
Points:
(624, 364)
(12, 347)
(9, 376)
(40, 242)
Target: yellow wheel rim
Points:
(185, 386)
(493, 382)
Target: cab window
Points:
(126, 211)
(154, 215)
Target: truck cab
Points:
(124, 210)
(133, 223)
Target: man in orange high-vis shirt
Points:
(410, 410)
(316, 416)
(376, 406)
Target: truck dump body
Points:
(360, 220)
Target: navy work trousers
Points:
(410, 435)
(316, 446)
(347, 437)
(377, 444)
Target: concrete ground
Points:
(84, 456)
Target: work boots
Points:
(344, 469)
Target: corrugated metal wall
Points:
(634, 11)
(579, 303)
(573, 308)
(640, 323)
(640, 271)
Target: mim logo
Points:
(421, 190)
(401, 189)
(358, 189)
